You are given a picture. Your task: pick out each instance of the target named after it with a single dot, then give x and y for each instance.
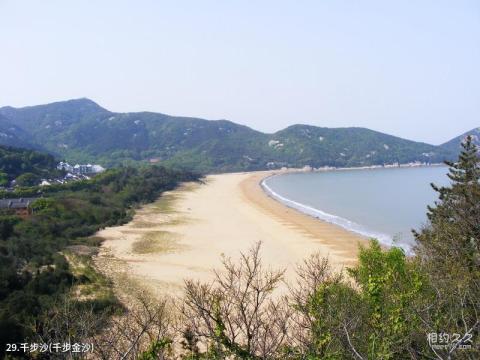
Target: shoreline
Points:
(320, 230)
(186, 232)
(321, 215)
(308, 168)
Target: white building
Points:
(80, 169)
(97, 169)
(65, 166)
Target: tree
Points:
(3, 179)
(325, 306)
(448, 251)
(454, 231)
(236, 316)
(141, 331)
(42, 204)
(27, 179)
(391, 289)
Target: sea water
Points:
(383, 203)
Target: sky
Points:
(408, 68)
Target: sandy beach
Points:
(186, 232)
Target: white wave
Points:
(333, 219)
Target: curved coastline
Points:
(187, 236)
(316, 213)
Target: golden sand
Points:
(187, 231)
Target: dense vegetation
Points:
(29, 165)
(12, 135)
(34, 270)
(388, 306)
(82, 131)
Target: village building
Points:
(80, 169)
(19, 206)
(65, 166)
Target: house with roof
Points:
(17, 206)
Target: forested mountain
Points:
(454, 145)
(12, 135)
(15, 162)
(81, 130)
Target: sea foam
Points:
(333, 219)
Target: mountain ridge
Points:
(455, 143)
(82, 130)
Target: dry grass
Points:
(141, 224)
(165, 204)
(168, 221)
(92, 285)
(83, 250)
(148, 217)
(157, 241)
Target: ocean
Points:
(383, 203)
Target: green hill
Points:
(80, 130)
(12, 135)
(30, 164)
(454, 144)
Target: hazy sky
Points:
(409, 68)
